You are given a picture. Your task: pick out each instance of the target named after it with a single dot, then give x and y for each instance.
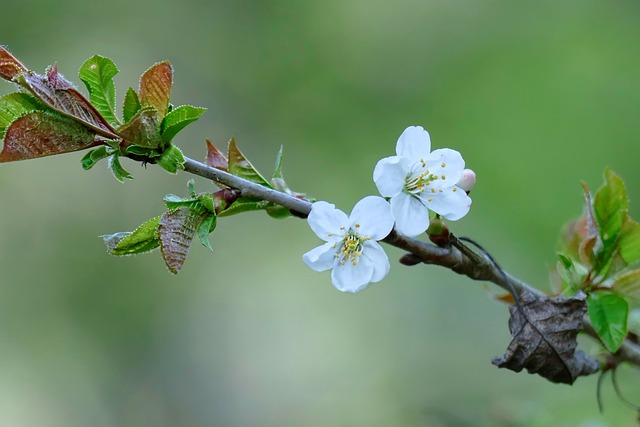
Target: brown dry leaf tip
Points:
(544, 332)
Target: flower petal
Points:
(452, 203)
(325, 220)
(372, 217)
(412, 217)
(390, 174)
(378, 259)
(452, 169)
(352, 278)
(321, 258)
(414, 143)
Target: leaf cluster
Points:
(599, 254)
(50, 116)
(175, 230)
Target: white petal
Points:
(451, 204)
(414, 143)
(390, 174)
(373, 217)
(412, 217)
(352, 278)
(321, 258)
(452, 169)
(378, 258)
(325, 220)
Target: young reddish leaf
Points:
(97, 74)
(240, 166)
(143, 129)
(176, 231)
(9, 65)
(66, 100)
(155, 87)
(41, 133)
(588, 246)
(131, 105)
(608, 313)
(215, 158)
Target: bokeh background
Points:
(536, 95)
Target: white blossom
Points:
(418, 180)
(351, 250)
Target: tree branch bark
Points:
(469, 263)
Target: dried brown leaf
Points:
(544, 332)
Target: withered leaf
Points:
(544, 332)
(176, 231)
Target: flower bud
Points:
(467, 181)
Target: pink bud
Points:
(467, 181)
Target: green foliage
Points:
(97, 74)
(177, 119)
(116, 168)
(142, 239)
(172, 159)
(598, 254)
(240, 166)
(15, 105)
(608, 313)
(131, 105)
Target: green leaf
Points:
(207, 201)
(608, 313)
(94, 156)
(155, 87)
(43, 133)
(245, 204)
(15, 105)
(131, 105)
(176, 231)
(240, 166)
(629, 241)
(626, 283)
(178, 119)
(610, 206)
(117, 170)
(97, 74)
(143, 239)
(172, 159)
(174, 202)
(278, 212)
(206, 228)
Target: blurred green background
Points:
(536, 95)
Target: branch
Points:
(460, 259)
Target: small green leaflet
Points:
(206, 228)
(143, 239)
(94, 156)
(608, 313)
(117, 170)
(97, 74)
(610, 206)
(178, 119)
(172, 159)
(131, 105)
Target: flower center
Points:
(419, 179)
(352, 246)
